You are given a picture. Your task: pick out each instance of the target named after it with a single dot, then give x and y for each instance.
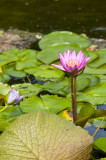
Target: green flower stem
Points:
(75, 99)
(3, 109)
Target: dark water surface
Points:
(80, 16)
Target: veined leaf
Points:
(44, 136)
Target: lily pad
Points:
(100, 144)
(55, 104)
(63, 37)
(9, 115)
(50, 54)
(28, 60)
(102, 78)
(11, 70)
(94, 80)
(100, 60)
(90, 70)
(46, 72)
(4, 89)
(87, 113)
(57, 88)
(49, 133)
(27, 89)
(5, 77)
(63, 87)
(83, 97)
(99, 90)
(67, 114)
(32, 104)
(8, 56)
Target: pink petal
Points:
(87, 59)
(58, 66)
(62, 60)
(80, 55)
(65, 57)
(68, 53)
(73, 56)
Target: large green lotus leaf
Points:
(56, 104)
(96, 122)
(100, 60)
(28, 60)
(44, 136)
(27, 89)
(11, 70)
(83, 97)
(100, 144)
(46, 72)
(94, 80)
(7, 116)
(99, 90)
(32, 104)
(90, 70)
(4, 89)
(50, 54)
(8, 56)
(63, 37)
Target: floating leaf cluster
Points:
(53, 94)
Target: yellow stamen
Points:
(72, 63)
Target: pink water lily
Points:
(71, 62)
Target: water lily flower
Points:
(13, 97)
(71, 62)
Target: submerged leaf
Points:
(44, 136)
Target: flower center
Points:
(72, 63)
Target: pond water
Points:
(45, 16)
